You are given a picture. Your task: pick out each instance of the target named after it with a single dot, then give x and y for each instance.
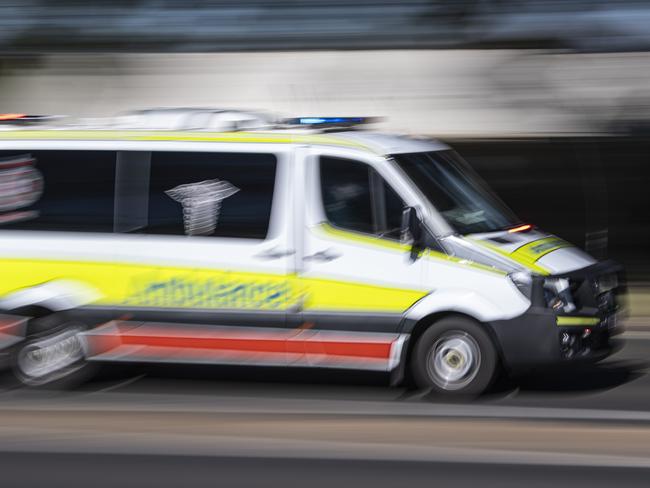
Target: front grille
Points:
(574, 286)
(606, 302)
(597, 289)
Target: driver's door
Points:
(357, 276)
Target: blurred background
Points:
(548, 99)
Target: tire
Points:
(52, 355)
(454, 357)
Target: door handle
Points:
(324, 256)
(275, 253)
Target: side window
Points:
(356, 198)
(394, 210)
(57, 190)
(345, 186)
(210, 194)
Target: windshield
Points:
(456, 191)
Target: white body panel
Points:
(271, 256)
(352, 261)
(294, 234)
(476, 293)
(338, 298)
(449, 286)
(561, 260)
(566, 259)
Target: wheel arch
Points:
(31, 311)
(52, 296)
(415, 329)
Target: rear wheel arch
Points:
(51, 355)
(43, 323)
(39, 318)
(30, 311)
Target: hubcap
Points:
(41, 359)
(454, 361)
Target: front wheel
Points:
(454, 356)
(52, 355)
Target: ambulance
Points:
(217, 237)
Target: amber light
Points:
(521, 228)
(11, 116)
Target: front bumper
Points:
(541, 336)
(536, 339)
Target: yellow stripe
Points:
(360, 238)
(375, 241)
(243, 137)
(533, 251)
(336, 295)
(519, 258)
(577, 321)
(134, 285)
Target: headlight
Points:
(523, 281)
(557, 292)
(606, 283)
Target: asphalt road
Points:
(621, 382)
(109, 471)
(170, 426)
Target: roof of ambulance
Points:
(390, 143)
(375, 142)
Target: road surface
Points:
(170, 426)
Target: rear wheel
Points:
(52, 354)
(454, 356)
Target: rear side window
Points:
(211, 194)
(357, 198)
(57, 190)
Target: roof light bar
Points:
(339, 121)
(5, 117)
(25, 119)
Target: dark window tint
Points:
(220, 194)
(394, 209)
(345, 186)
(57, 190)
(356, 198)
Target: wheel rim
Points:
(52, 357)
(454, 361)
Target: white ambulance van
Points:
(305, 244)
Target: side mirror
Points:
(412, 231)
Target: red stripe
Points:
(380, 350)
(260, 345)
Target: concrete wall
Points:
(476, 93)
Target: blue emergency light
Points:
(335, 121)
